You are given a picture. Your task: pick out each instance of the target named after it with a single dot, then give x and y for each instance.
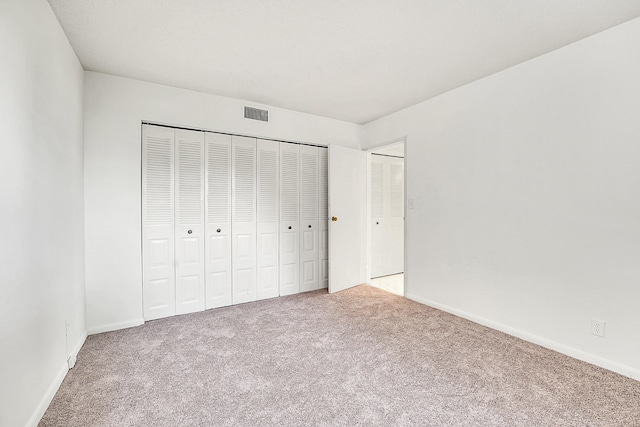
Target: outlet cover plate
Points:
(597, 327)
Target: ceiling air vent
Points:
(255, 114)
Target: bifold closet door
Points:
(243, 227)
(309, 200)
(378, 221)
(218, 272)
(323, 218)
(289, 219)
(268, 220)
(189, 227)
(158, 272)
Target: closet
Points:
(229, 219)
(387, 215)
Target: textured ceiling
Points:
(354, 60)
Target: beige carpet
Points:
(359, 357)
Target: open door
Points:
(347, 223)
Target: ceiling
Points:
(354, 60)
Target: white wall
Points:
(41, 209)
(114, 110)
(527, 198)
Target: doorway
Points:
(386, 217)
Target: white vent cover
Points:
(256, 114)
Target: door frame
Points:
(369, 151)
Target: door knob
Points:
(189, 232)
(309, 225)
(218, 230)
(334, 218)
(289, 227)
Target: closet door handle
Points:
(289, 227)
(218, 230)
(309, 225)
(189, 232)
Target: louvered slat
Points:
(324, 189)
(268, 186)
(289, 196)
(190, 189)
(244, 169)
(309, 187)
(159, 183)
(218, 180)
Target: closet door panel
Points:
(218, 272)
(323, 218)
(158, 288)
(289, 219)
(189, 227)
(309, 199)
(243, 226)
(268, 153)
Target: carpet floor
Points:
(358, 357)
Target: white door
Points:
(347, 207)
(268, 223)
(289, 219)
(243, 228)
(189, 228)
(323, 218)
(309, 199)
(378, 222)
(218, 216)
(158, 270)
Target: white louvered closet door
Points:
(268, 220)
(309, 199)
(323, 218)
(158, 272)
(378, 221)
(243, 228)
(218, 290)
(395, 220)
(189, 228)
(289, 219)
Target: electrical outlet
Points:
(597, 327)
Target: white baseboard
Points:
(76, 349)
(544, 342)
(115, 326)
(48, 396)
(73, 354)
(55, 385)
